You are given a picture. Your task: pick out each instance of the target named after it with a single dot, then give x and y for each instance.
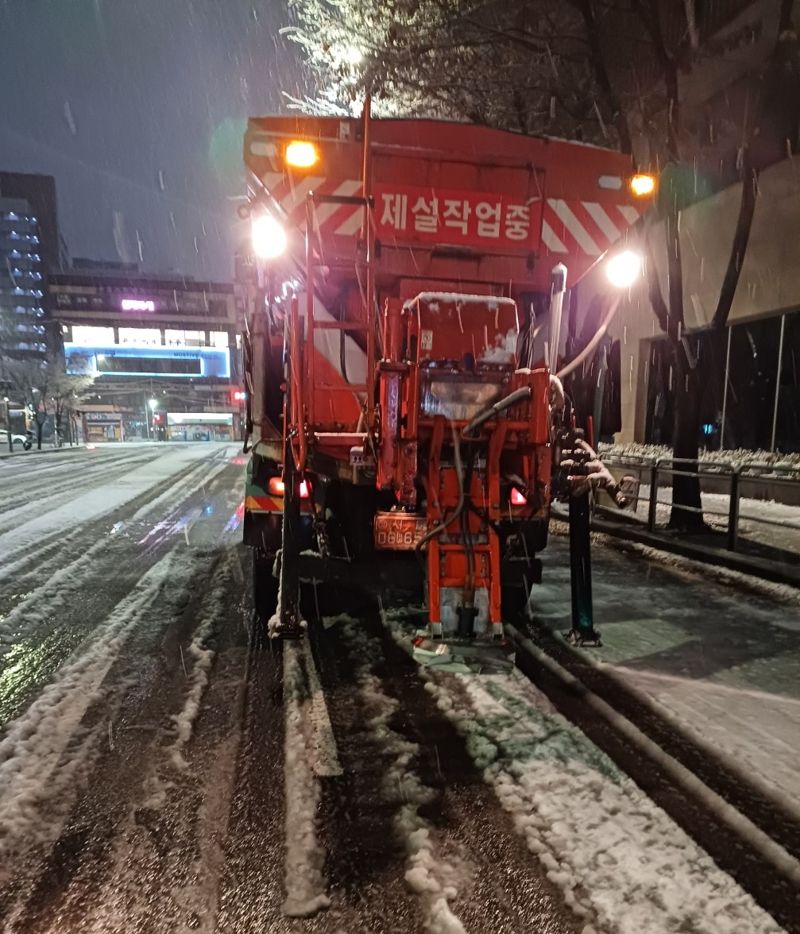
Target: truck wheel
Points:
(265, 585)
(514, 602)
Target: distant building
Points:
(174, 341)
(30, 249)
(40, 193)
(22, 280)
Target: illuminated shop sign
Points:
(146, 360)
(199, 418)
(138, 304)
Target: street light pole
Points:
(8, 425)
(146, 418)
(153, 404)
(725, 391)
(778, 384)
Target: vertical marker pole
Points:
(778, 384)
(725, 391)
(580, 567)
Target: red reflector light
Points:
(277, 487)
(516, 498)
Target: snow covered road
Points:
(162, 770)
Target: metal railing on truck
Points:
(769, 482)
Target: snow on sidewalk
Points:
(621, 862)
(720, 659)
(763, 521)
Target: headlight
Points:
(269, 237)
(623, 269)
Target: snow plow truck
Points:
(405, 420)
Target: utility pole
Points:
(146, 417)
(8, 424)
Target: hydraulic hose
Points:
(512, 398)
(438, 529)
(589, 349)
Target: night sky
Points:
(137, 107)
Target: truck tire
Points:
(265, 585)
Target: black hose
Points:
(468, 596)
(512, 398)
(438, 529)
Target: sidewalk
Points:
(722, 661)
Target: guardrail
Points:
(717, 476)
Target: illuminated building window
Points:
(88, 336)
(147, 337)
(176, 338)
(218, 338)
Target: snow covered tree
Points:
(46, 388)
(518, 65)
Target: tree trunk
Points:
(686, 499)
(688, 385)
(39, 427)
(601, 75)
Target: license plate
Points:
(397, 531)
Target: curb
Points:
(732, 560)
(49, 450)
(688, 800)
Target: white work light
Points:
(269, 237)
(623, 269)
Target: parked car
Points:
(17, 440)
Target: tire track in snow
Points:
(434, 878)
(305, 857)
(136, 866)
(22, 543)
(35, 637)
(15, 508)
(32, 567)
(43, 750)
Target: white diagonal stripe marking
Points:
(598, 214)
(325, 211)
(352, 224)
(574, 226)
(630, 214)
(297, 194)
(550, 240)
(271, 179)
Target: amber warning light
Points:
(301, 154)
(642, 185)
